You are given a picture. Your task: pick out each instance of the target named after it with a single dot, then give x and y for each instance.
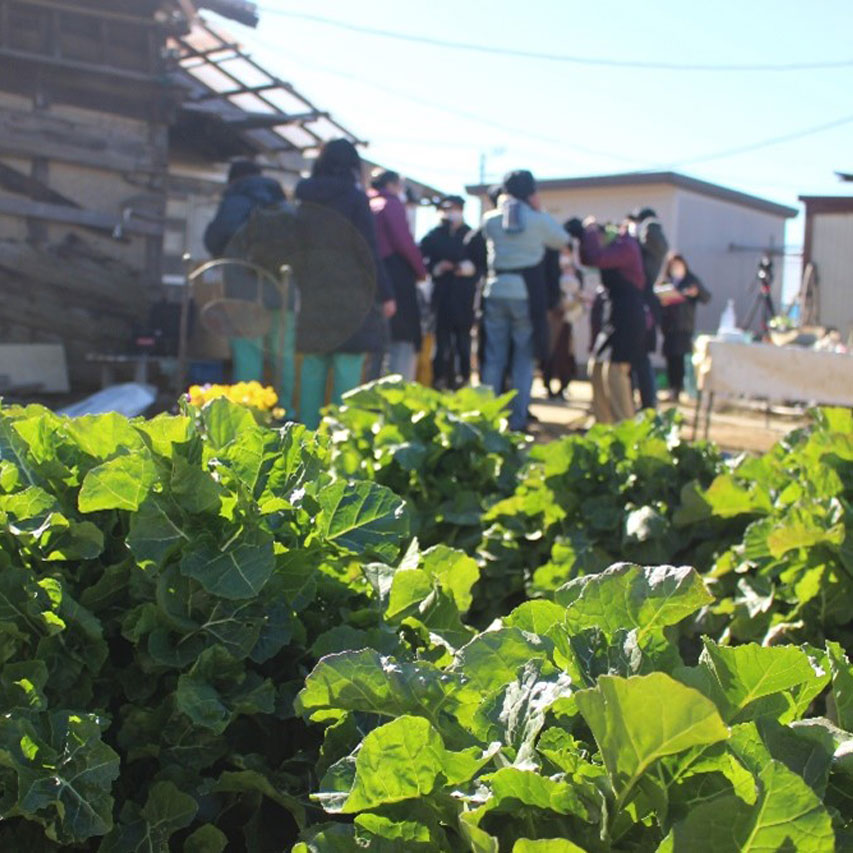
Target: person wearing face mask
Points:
(451, 261)
(517, 235)
(620, 315)
(405, 267)
(679, 292)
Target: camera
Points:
(765, 272)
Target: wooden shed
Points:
(828, 262)
(117, 122)
(86, 101)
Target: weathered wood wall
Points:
(83, 157)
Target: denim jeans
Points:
(507, 321)
(644, 376)
(403, 359)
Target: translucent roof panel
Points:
(218, 67)
(297, 136)
(245, 72)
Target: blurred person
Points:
(646, 228)
(561, 364)
(452, 264)
(621, 338)
(517, 235)
(678, 321)
(335, 184)
(248, 190)
(405, 268)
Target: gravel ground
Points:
(734, 427)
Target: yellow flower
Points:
(251, 394)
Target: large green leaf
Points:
(512, 788)
(120, 483)
(156, 531)
(546, 845)
(515, 713)
(64, 772)
(787, 816)
(627, 596)
(148, 829)
(217, 689)
(401, 760)
(455, 570)
(743, 675)
(369, 682)
(493, 658)
(842, 685)
(637, 720)
(206, 839)
(363, 518)
(253, 781)
(239, 569)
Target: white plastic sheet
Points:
(129, 399)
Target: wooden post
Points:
(183, 332)
(284, 274)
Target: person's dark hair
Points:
(338, 158)
(520, 184)
(672, 257)
(641, 214)
(382, 178)
(452, 201)
(494, 193)
(242, 169)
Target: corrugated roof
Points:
(631, 179)
(222, 82)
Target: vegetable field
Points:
(412, 631)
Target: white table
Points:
(771, 373)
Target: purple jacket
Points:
(622, 254)
(392, 231)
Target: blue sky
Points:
(432, 112)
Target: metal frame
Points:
(219, 104)
(193, 273)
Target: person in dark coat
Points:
(622, 337)
(345, 292)
(405, 267)
(678, 321)
(645, 226)
(451, 261)
(247, 191)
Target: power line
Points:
(527, 135)
(598, 62)
(459, 113)
(765, 143)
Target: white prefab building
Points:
(722, 233)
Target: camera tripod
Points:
(763, 306)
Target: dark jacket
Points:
(453, 295)
(402, 261)
(342, 281)
(679, 319)
(238, 201)
(653, 247)
(623, 333)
